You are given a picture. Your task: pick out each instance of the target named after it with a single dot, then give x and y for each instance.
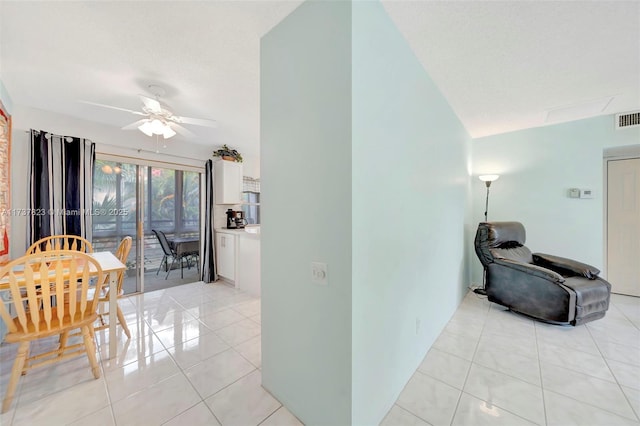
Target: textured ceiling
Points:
(205, 54)
(501, 65)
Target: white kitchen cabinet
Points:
(228, 182)
(227, 254)
(249, 263)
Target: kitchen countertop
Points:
(239, 231)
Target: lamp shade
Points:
(157, 127)
(488, 178)
(146, 128)
(168, 132)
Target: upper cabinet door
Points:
(228, 182)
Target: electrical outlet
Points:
(319, 273)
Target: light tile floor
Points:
(493, 367)
(194, 358)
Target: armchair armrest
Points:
(561, 264)
(535, 270)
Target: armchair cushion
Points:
(533, 270)
(565, 266)
(517, 253)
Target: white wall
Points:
(306, 211)
(537, 167)
(410, 157)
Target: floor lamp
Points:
(487, 179)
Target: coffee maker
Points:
(235, 219)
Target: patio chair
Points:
(170, 252)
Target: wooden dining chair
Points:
(122, 253)
(34, 284)
(61, 242)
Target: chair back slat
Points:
(63, 285)
(72, 293)
(60, 287)
(45, 287)
(85, 289)
(17, 295)
(32, 298)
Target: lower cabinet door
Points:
(226, 252)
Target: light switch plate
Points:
(319, 273)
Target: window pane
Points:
(163, 189)
(190, 200)
(104, 196)
(251, 207)
(251, 197)
(127, 198)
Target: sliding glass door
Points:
(133, 200)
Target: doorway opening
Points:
(133, 200)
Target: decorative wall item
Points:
(5, 183)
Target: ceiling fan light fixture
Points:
(168, 132)
(146, 128)
(157, 127)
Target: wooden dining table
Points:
(111, 266)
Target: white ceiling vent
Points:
(628, 119)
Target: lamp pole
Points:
(487, 179)
(486, 202)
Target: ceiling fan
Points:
(159, 119)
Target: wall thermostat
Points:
(580, 193)
(586, 193)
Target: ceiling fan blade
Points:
(134, 125)
(197, 121)
(152, 104)
(182, 131)
(113, 107)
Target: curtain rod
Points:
(127, 147)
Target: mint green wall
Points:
(410, 158)
(382, 200)
(306, 208)
(537, 167)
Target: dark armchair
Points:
(545, 287)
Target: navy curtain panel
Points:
(60, 186)
(209, 272)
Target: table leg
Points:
(113, 308)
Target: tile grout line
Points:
(484, 323)
(544, 400)
(606, 361)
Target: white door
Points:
(623, 226)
